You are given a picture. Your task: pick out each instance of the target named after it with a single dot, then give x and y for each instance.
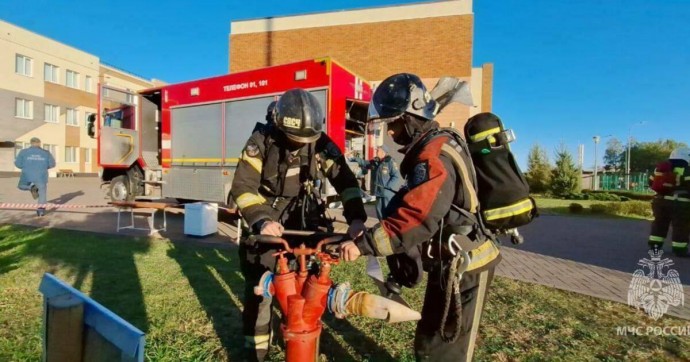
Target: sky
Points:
(564, 71)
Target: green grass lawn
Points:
(188, 299)
(549, 206)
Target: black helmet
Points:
(399, 94)
(299, 116)
(271, 112)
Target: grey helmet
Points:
(399, 94)
(299, 115)
(681, 153)
(271, 112)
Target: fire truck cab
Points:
(184, 140)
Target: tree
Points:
(565, 177)
(614, 156)
(645, 155)
(538, 170)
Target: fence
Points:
(616, 181)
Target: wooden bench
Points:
(65, 173)
(148, 209)
(78, 328)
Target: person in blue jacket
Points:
(34, 163)
(386, 176)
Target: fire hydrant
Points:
(303, 299)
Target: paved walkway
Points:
(583, 255)
(595, 257)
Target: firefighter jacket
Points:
(386, 180)
(434, 186)
(34, 163)
(267, 173)
(681, 192)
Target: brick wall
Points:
(487, 86)
(428, 47)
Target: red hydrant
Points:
(303, 299)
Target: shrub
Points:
(629, 194)
(576, 208)
(638, 208)
(635, 208)
(604, 196)
(598, 209)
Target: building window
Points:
(23, 65)
(71, 154)
(52, 113)
(51, 148)
(87, 155)
(72, 117)
(18, 146)
(72, 79)
(88, 86)
(24, 108)
(50, 73)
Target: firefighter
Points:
(270, 119)
(386, 180)
(438, 201)
(273, 188)
(671, 205)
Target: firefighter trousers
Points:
(670, 214)
(257, 313)
(428, 344)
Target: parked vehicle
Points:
(185, 139)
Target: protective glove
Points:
(356, 229)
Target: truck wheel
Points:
(119, 189)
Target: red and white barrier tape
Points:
(8, 205)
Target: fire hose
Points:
(304, 296)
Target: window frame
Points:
(75, 79)
(17, 150)
(24, 60)
(45, 113)
(24, 108)
(53, 149)
(55, 71)
(75, 159)
(87, 155)
(74, 112)
(88, 83)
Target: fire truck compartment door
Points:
(197, 136)
(119, 146)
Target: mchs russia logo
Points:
(655, 287)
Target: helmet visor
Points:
(391, 99)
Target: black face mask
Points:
(401, 131)
(287, 143)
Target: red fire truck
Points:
(185, 139)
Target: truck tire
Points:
(120, 189)
(136, 179)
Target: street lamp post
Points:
(627, 162)
(597, 139)
(595, 183)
